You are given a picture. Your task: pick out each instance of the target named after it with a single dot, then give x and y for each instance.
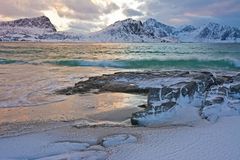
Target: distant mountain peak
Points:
(151, 20)
(41, 22)
(212, 24)
(187, 28)
(126, 21)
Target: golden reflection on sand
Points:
(27, 93)
(74, 107)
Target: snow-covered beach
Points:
(198, 141)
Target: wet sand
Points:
(105, 106)
(28, 98)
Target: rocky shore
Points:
(210, 94)
(183, 105)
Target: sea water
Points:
(30, 73)
(157, 56)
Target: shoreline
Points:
(78, 126)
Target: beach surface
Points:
(96, 126)
(200, 141)
(73, 101)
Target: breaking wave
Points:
(223, 64)
(9, 61)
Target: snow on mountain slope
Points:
(34, 29)
(25, 29)
(157, 29)
(151, 30)
(129, 30)
(38, 25)
(211, 32)
(126, 30)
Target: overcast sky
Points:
(92, 15)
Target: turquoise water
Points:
(155, 56)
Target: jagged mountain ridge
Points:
(152, 30)
(129, 30)
(217, 31)
(42, 22)
(26, 29)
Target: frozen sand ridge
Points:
(203, 141)
(68, 149)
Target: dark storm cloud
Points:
(196, 12)
(131, 12)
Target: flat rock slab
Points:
(61, 147)
(118, 139)
(84, 155)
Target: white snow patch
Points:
(84, 155)
(118, 139)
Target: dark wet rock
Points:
(143, 106)
(189, 89)
(235, 88)
(208, 103)
(206, 80)
(165, 106)
(165, 93)
(207, 73)
(222, 91)
(228, 79)
(153, 96)
(202, 76)
(151, 110)
(113, 83)
(186, 73)
(196, 89)
(170, 93)
(219, 80)
(216, 100)
(237, 77)
(122, 87)
(209, 82)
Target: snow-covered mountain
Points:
(26, 29)
(211, 32)
(156, 29)
(151, 30)
(42, 23)
(129, 30)
(34, 29)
